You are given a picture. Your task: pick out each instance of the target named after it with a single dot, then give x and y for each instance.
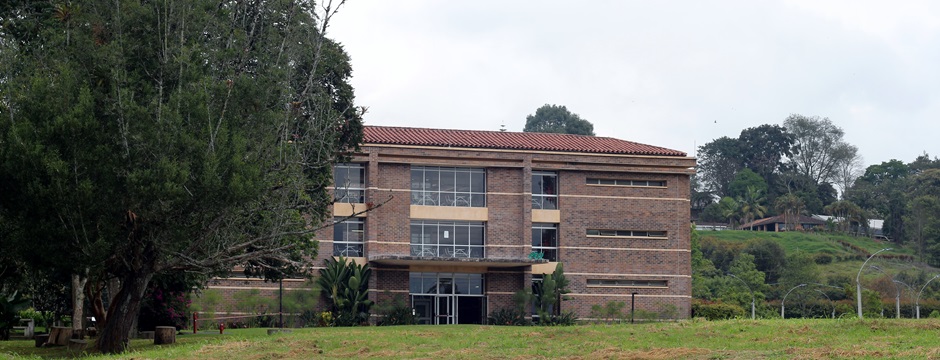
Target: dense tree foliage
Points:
(820, 147)
(778, 160)
(142, 138)
(557, 119)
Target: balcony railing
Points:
(448, 251)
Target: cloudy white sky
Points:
(669, 73)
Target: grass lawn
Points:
(732, 339)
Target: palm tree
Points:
(750, 205)
(791, 206)
(729, 209)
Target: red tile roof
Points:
(510, 140)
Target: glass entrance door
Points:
(445, 298)
(445, 310)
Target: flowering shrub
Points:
(162, 307)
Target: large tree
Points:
(718, 163)
(763, 149)
(820, 147)
(557, 119)
(141, 138)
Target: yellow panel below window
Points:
(546, 216)
(344, 209)
(546, 268)
(449, 213)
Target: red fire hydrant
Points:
(221, 327)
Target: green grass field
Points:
(732, 339)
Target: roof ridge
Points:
(512, 140)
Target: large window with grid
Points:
(348, 237)
(456, 239)
(545, 240)
(544, 190)
(448, 186)
(349, 183)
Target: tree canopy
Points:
(141, 138)
(557, 119)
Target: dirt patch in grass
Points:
(652, 354)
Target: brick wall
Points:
(581, 207)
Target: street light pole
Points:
(782, 316)
(752, 294)
(858, 283)
(830, 302)
(917, 301)
(897, 301)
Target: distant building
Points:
(780, 223)
(700, 226)
(875, 226)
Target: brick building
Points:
(465, 216)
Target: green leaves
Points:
(557, 119)
(347, 284)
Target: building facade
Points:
(462, 220)
(466, 215)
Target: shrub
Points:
(668, 311)
(564, 319)
(609, 312)
(823, 259)
(395, 312)
(164, 306)
(716, 311)
(935, 314)
(508, 316)
(325, 319)
(345, 285)
(644, 315)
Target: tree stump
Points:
(164, 335)
(76, 345)
(41, 339)
(60, 335)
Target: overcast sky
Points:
(676, 74)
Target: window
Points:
(614, 182)
(348, 237)
(627, 283)
(627, 233)
(544, 190)
(457, 239)
(448, 186)
(445, 283)
(545, 240)
(349, 184)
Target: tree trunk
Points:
(78, 301)
(123, 312)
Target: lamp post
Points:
(830, 302)
(917, 300)
(858, 284)
(782, 316)
(897, 300)
(752, 294)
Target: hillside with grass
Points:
(771, 264)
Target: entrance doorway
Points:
(446, 298)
